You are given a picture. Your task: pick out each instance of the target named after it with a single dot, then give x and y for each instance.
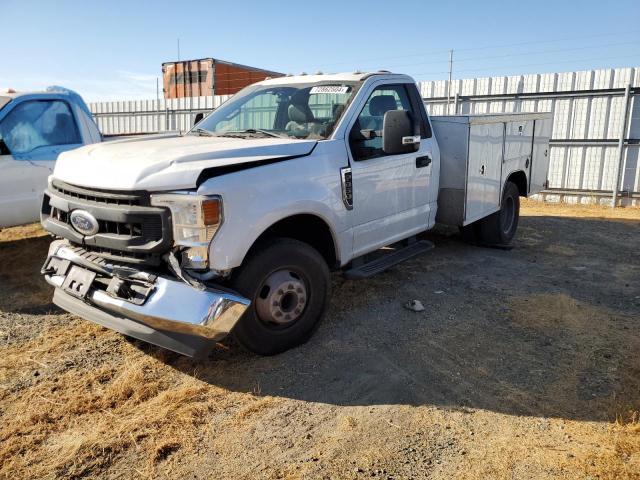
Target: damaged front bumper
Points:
(160, 310)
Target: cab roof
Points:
(7, 95)
(329, 77)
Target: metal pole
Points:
(623, 131)
(157, 104)
(450, 75)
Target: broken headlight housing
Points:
(195, 220)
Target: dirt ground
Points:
(525, 364)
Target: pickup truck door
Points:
(33, 133)
(390, 192)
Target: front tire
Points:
(289, 285)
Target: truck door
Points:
(390, 192)
(33, 133)
(484, 170)
(540, 157)
(518, 147)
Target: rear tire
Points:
(288, 283)
(500, 227)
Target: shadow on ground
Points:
(546, 329)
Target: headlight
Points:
(195, 221)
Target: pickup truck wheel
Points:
(288, 283)
(500, 227)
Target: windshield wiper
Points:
(253, 131)
(202, 131)
(237, 133)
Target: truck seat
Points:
(301, 120)
(380, 105)
(299, 116)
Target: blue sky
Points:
(114, 49)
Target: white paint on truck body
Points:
(480, 153)
(394, 196)
(167, 162)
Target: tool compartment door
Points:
(540, 157)
(518, 144)
(484, 170)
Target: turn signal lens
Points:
(211, 211)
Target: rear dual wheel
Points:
(499, 228)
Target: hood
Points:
(163, 162)
(166, 162)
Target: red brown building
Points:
(208, 76)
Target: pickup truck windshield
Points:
(38, 123)
(304, 111)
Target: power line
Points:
(559, 39)
(517, 54)
(496, 67)
(505, 45)
(240, 75)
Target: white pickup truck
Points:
(35, 127)
(235, 226)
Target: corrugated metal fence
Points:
(591, 115)
(151, 116)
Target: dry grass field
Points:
(525, 364)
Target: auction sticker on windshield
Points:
(329, 89)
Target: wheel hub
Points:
(282, 298)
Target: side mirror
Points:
(199, 117)
(400, 134)
(4, 150)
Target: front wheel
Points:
(500, 227)
(289, 285)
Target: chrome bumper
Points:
(172, 307)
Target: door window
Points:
(39, 123)
(366, 134)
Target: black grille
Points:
(130, 229)
(137, 198)
(150, 229)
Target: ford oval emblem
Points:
(84, 223)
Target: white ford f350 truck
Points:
(235, 226)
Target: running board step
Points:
(388, 260)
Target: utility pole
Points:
(450, 77)
(157, 104)
(621, 140)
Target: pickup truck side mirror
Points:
(199, 116)
(399, 133)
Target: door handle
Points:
(423, 161)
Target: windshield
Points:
(39, 123)
(305, 111)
